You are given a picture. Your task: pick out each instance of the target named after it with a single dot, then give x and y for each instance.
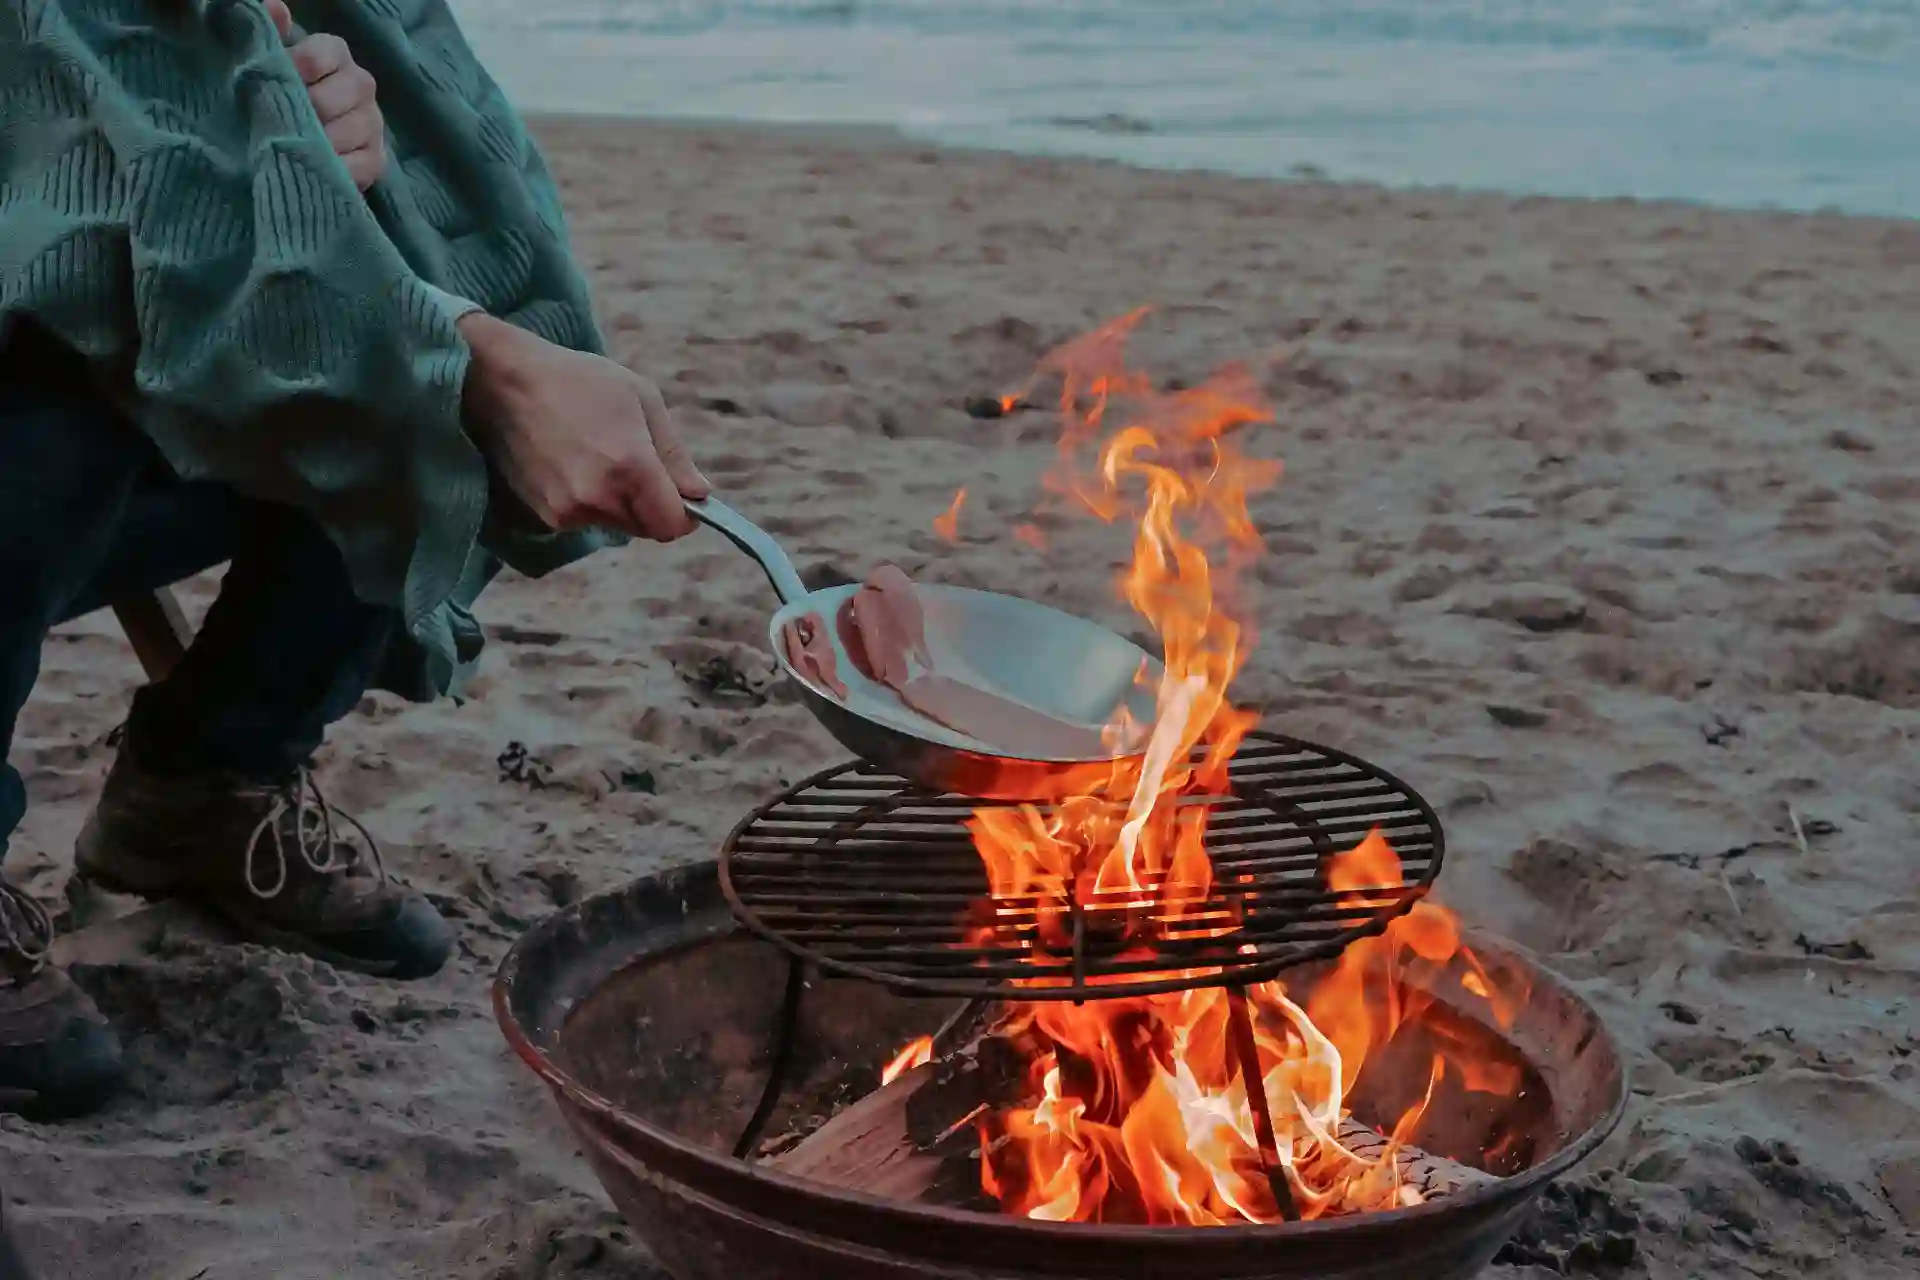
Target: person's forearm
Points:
(494, 347)
(493, 371)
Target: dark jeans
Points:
(89, 512)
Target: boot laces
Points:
(26, 932)
(300, 822)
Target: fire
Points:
(947, 523)
(1138, 1108)
(1142, 1116)
(1174, 469)
(916, 1053)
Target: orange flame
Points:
(947, 524)
(916, 1053)
(1141, 1115)
(1137, 1110)
(1174, 471)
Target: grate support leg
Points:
(784, 1034)
(1247, 1051)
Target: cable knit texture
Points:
(171, 209)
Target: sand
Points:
(1601, 526)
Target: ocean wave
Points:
(1797, 103)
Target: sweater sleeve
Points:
(170, 208)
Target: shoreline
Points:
(896, 138)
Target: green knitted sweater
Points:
(170, 208)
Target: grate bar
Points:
(801, 886)
(906, 871)
(858, 873)
(939, 810)
(1349, 830)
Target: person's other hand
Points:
(584, 442)
(342, 93)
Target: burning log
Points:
(914, 1138)
(1430, 1175)
(866, 1147)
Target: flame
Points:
(1138, 1111)
(915, 1053)
(947, 524)
(1173, 469)
(1142, 1117)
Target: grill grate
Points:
(859, 873)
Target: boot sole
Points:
(162, 887)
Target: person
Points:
(284, 285)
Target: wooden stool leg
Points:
(157, 629)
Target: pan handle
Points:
(755, 541)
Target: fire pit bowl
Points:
(652, 1017)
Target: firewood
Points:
(989, 1071)
(866, 1147)
(1432, 1176)
(871, 1147)
(914, 1138)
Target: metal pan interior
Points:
(1066, 667)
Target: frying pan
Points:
(1053, 662)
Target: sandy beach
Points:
(1601, 526)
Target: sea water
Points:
(1790, 103)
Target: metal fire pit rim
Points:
(1412, 892)
(571, 1092)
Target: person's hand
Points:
(342, 93)
(584, 442)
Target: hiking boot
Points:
(282, 865)
(58, 1056)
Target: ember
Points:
(1139, 1108)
